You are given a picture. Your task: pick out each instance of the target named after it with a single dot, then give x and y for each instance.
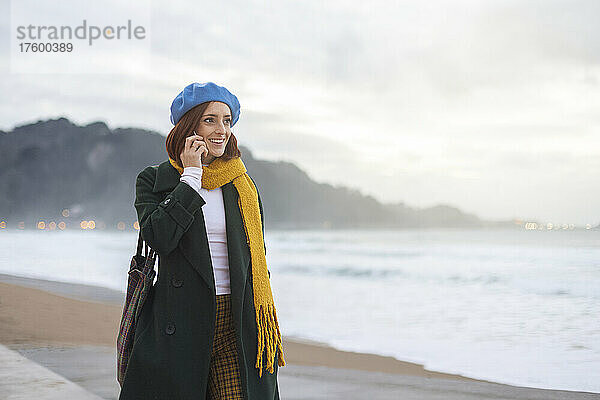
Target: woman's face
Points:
(215, 129)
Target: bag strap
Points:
(139, 245)
(148, 251)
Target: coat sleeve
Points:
(164, 221)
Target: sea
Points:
(520, 307)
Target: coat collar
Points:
(167, 177)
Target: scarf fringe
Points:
(268, 331)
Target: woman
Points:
(208, 328)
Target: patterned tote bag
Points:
(140, 280)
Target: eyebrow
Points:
(213, 115)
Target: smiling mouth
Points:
(218, 142)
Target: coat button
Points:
(176, 282)
(170, 329)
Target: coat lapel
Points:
(194, 243)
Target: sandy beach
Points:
(71, 329)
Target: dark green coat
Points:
(171, 353)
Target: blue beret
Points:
(198, 93)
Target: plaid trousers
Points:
(224, 381)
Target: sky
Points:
(488, 106)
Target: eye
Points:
(228, 121)
(207, 119)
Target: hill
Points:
(52, 165)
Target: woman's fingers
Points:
(201, 145)
(193, 143)
(189, 141)
(190, 155)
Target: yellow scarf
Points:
(214, 175)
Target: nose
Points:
(221, 128)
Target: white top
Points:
(214, 217)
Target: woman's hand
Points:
(193, 151)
